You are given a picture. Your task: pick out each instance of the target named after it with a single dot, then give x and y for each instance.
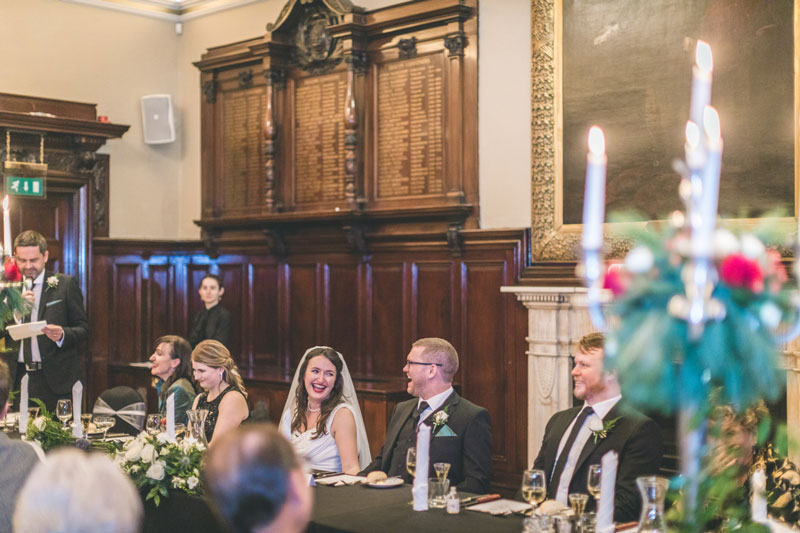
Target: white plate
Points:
(387, 483)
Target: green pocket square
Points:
(446, 432)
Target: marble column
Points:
(557, 319)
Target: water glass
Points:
(587, 523)
(11, 422)
(538, 524)
(437, 493)
(153, 423)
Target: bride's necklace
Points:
(317, 410)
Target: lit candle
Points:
(701, 81)
(594, 199)
(708, 202)
(7, 228)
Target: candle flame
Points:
(5, 203)
(597, 143)
(692, 134)
(703, 56)
(711, 122)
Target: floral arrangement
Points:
(663, 367)
(783, 486)
(46, 431)
(158, 464)
(11, 299)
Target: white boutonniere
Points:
(52, 282)
(600, 428)
(440, 418)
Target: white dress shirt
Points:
(601, 409)
(434, 402)
(37, 291)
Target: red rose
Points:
(616, 279)
(12, 273)
(738, 271)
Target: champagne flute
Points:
(411, 461)
(64, 412)
(442, 469)
(534, 489)
(578, 503)
(593, 481)
(104, 423)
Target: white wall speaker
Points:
(158, 125)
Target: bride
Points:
(322, 417)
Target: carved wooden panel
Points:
(242, 161)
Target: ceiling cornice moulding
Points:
(171, 10)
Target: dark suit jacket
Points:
(214, 323)
(61, 305)
(469, 452)
(637, 440)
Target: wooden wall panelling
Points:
(262, 316)
(304, 294)
(344, 311)
(127, 328)
(388, 329)
(161, 314)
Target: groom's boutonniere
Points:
(52, 282)
(600, 428)
(440, 418)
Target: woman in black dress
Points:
(224, 395)
(213, 322)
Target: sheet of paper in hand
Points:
(26, 331)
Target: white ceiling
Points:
(173, 10)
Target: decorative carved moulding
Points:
(337, 116)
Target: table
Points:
(357, 509)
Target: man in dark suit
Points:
(578, 437)
(461, 435)
(52, 360)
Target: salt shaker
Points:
(453, 503)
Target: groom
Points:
(461, 432)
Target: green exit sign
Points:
(19, 186)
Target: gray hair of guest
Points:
(74, 491)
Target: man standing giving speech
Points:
(51, 360)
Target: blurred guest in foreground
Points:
(256, 481)
(217, 374)
(461, 433)
(214, 321)
(17, 459)
(172, 369)
(74, 491)
(322, 417)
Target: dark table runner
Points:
(360, 509)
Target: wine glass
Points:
(104, 423)
(64, 412)
(593, 481)
(411, 461)
(442, 470)
(86, 420)
(534, 489)
(153, 424)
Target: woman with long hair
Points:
(172, 372)
(322, 417)
(214, 321)
(217, 374)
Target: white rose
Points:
(148, 453)
(752, 248)
(595, 424)
(133, 469)
(39, 423)
(164, 451)
(134, 452)
(177, 482)
(192, 482)
(639, 260)
(725, 243)
(156, 471)
(162, 437)
(770, 315)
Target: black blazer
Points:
(637, 440)
(214, 323)
(469, 452)
(61, 305)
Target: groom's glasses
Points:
(422, 364)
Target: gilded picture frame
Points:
(556, 236)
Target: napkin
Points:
(77, 398)
(171, 416)
(605, 507)
(420, 488)
(23, 405)
(758, 484)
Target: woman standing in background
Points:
(214, 322)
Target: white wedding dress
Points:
(320, 453)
